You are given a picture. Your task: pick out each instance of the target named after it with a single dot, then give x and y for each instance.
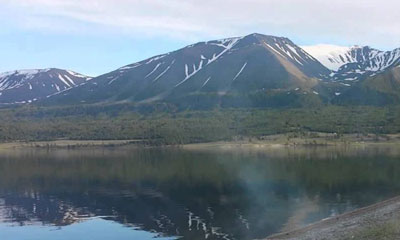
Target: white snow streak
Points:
(63, 80)
(112, 80)
(227, 44)
(155, 58)
(166, 70)
(189, 75)
(158, 65)
(293, 50)
(274, 50)
(70, 80)
(78, 75)
(231, 43)
(130, 66)
(208, 79)
(241, 70)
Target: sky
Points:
(97, 36)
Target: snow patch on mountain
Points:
(331, 56)
(354, 63)
(226, 44)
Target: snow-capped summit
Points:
(354, 63)
(332, 56)
(24, 86)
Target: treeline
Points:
(163, 124)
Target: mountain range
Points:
(354, 63)
(255, 70)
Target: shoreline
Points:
(265, 142)
(377, 221)
(63, 144)
(316, 140)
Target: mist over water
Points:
(175, 193)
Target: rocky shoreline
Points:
(378, 221)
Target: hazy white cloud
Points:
(356, 21)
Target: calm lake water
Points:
(127, 193)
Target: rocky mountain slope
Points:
(233, 66)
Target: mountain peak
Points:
(261, 37)
(28, 85)
(335, 57)
(238, 65)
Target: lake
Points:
(170, 193)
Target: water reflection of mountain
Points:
(196, 195)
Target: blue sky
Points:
(97, 36)
(88, 54)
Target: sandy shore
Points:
(378, 221)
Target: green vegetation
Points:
(163, 124)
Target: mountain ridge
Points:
(250, 63)
(261, 70)
(354, 63)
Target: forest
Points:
(164, 124)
